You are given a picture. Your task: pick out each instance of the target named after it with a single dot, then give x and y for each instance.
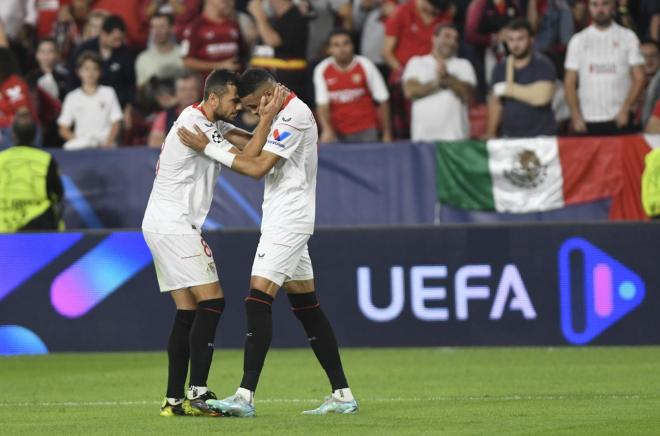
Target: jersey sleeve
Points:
(283, 140)
(320, 87)
(224, 127)
(375, 81)
(66, 115)
(634, 53)
(572, 61)
(410, 70)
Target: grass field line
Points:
(366, 400)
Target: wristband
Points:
(224, 157)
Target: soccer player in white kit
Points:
(289, 161)
(178, 205)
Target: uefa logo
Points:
(595, 291)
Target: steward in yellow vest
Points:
(30, 188)
(651, 184)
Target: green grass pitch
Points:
(509, 391)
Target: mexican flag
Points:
(544, 173)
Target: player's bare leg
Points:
(178, 352)
(210, 303)
(307, 309)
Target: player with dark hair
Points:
(289, 158)
(178, 205)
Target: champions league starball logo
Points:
(527, 171)
(217, 138)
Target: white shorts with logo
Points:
(283, 256)
(181, 261)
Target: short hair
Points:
(50, 40)
(442, 26)
(441, 5)
(217, 82)
(88, 55)
(24, 128)
(520, 24)
(252, 79)
(188, 75)
(650, 41)
(339, 31)
(113, 22)
(169, 17)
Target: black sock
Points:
(320, 335)
(202, 335)
(178, 353)
(257, 340)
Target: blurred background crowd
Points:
(108, 73)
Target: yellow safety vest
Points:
(23, 193)
(651, 183)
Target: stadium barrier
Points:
(364, 184)
(537, 284)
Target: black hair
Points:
(252, 79)
(113, 22)
(442, 26)
(217, 82)
(339, 31)
(50, 40)
(8, 64)
(88, 55)
(24, 129)
(170, 18)
(520, 24)
(650, 41)
(441, 5)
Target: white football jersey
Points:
(602, 59)
(185, 180)
(290, 192)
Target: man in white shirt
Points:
(605, 61)
(289, 161)
(163, 57)
(440, 86)
(179, 202)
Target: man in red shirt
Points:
(408, 33)
(128, 10)
(14, 95)
(213, 40)
(346, 87)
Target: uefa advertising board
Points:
(537, 284)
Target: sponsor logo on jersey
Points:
(281, 136)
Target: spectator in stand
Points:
(552, 23)
(14, 95)
(47, 13)
(484, 26)
(523, 88)
(93, 25)
(213, 40)
(441, 86)
(183, 11)
(408, 33)
(118, 65)
(19, 18)
(648, 13)
(129, 11)
(188, 91)
(75, 24)
(91, 114)
(653, 124)
(283, 45)
(346, 88)
(369, 18)
(322, 16)
(48, 84)
(163, 57)
(651, 52)
(606, 61)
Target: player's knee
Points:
(303, 302)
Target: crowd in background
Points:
(103, 73)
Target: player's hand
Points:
(622, 118)
(268, 111)
(197, 141)
(578, 124)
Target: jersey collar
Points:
(199, 107)
(288, 99)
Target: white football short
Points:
(283, 256)
(181, 261)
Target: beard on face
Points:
(602, 20)
(522, 54)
